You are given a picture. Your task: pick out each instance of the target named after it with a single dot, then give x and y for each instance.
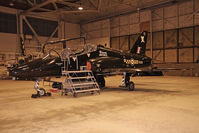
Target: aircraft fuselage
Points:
(101, 59)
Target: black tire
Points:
(131, 86)
(101, 81)
(41, 92)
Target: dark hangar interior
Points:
(99, 66)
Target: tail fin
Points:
(140, 45)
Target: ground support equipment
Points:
(79, 82)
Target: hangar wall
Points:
(97, 32)
(175, 31)
(10, 44)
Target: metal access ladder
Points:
(80, 82)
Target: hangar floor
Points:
(159, 104)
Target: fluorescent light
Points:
(80, 8)
(11, 4)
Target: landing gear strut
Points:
(40, 91)
(100, 80)
(126, 82)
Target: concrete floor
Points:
(159, 104)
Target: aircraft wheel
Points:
(131, 86)
(42, 92)
(101, 81)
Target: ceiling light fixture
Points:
(80, 8)
(11, 4)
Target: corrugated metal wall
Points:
(175, 31)
(97, 32)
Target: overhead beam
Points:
(41, 9)
(71, 4)
(43, 15)
(34, 32)
(29, 2)
(78, 11)
(38, 6)
(44, 9)
(67, 12)
(92, 3)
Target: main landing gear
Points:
(127, 83)
(100, 80)
(40, 91)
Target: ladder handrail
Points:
(81, 83)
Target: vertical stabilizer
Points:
(140, 45)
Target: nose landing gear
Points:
(40, 91)
(127, 83)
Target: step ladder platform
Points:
(79, 91)
(87, 77)
(83, 84)
(80, 81)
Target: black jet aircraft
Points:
(101, 60)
